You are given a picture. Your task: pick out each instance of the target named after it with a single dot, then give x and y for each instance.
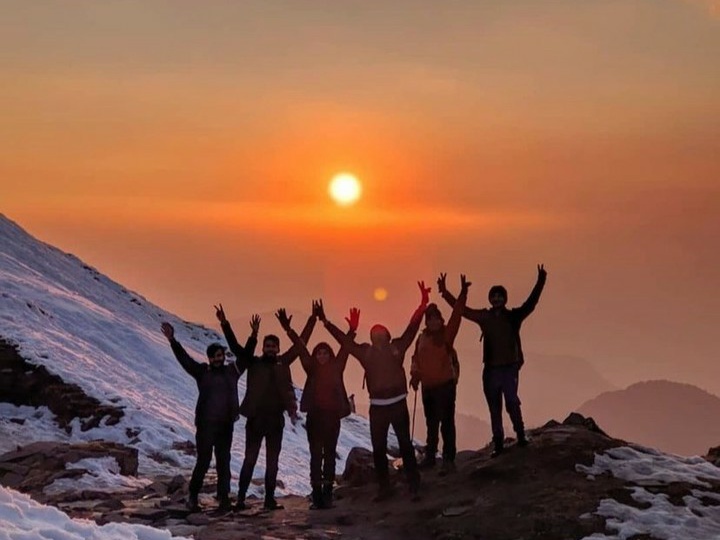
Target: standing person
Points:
(325, 401)
(434, 366)
(382, 359)
(216, 411)
(502, 354)
(268, 395)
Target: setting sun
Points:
(345, 189)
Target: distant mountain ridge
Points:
(674, 417)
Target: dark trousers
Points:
(257, 429)
(323, 430)
(439, 406)
(502, 382)
(381, 418)
(209, 436)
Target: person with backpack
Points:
(216, 410)
(434, 366)
(502, 354)
(325, 401)
(382, 359)
(269, 394)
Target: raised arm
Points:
(353, 323)
(243, 355)
(453, 324)
(289, 356)
(471, 314)
(346, 341)
(298, 344)
(405, 340)
(184, 359)
(529, 305)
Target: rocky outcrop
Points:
(23, 383)
(33, 467)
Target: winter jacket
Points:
(383, 367)
(434, 360)
(217, 387)
(501, 328)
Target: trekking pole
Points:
(412, 431)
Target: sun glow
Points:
(345, 189)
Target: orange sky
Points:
(186, 151)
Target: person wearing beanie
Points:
(216, 411)
(434, 366)
(269, 394)
(382, 359)
(502, 353)
(325, 401)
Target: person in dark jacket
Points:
(382, 359)
(269, 394)
(434, 366)
(325, 401)
(215, 413)
(502, 354)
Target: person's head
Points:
(216, 354)
(498, 296)
(323, 353)
(379, 336)
(433, 318)
(271, 345)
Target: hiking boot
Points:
(272, 504)
(225, 505)
(499, 447)
(447, 467)
(317, 498)
(428, 462)
(240, 504)
(192, 503)
(522, 440)
(327, 495)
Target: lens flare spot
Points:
(380, 294)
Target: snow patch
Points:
(103, 474)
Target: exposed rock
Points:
(713, 456)
(359, 467)
(577, 419)
(23, 383)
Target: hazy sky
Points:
(185, 151)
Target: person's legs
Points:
(511, 378)
(447, 425)
(315, 442)
(204, 447)
(432, 421)
(401, 425)
(223, 443)
(492, 387)
(253, 441)
(379, 425)
(331, 433)
(273, 446)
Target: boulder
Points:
(359, 467)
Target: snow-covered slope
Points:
(93, 332)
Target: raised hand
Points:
(220, 313)
(425, 292)
(255, 323)
(282, 316)
(167, 330)
(464, 284)
(319, 310)
(354, 319)
(442, 286)
(542, 273)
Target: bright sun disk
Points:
(345, 189)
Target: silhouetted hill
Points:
(671, 416)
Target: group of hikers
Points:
(270, 393)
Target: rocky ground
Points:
(527, 493)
